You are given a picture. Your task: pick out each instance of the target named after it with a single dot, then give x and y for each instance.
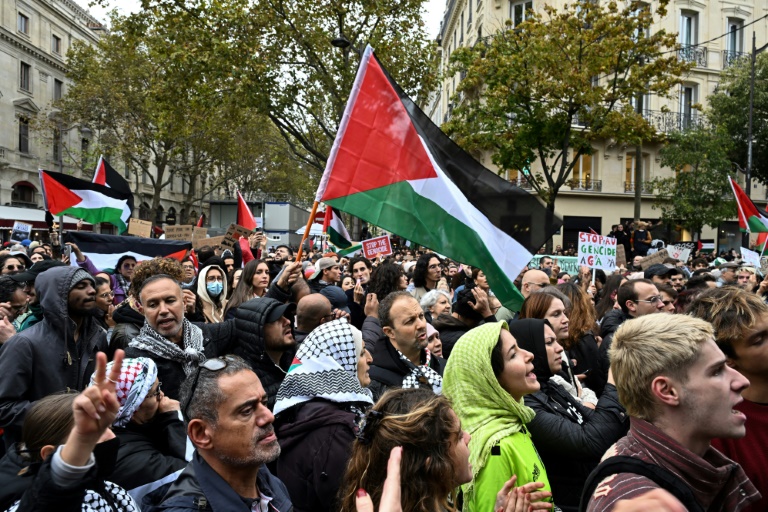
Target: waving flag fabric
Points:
(751, 218)
(91, 202)
(391, 166)
(109, 177)
(105, 250)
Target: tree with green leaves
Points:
(538, 95)
(729, 108)
(696, 196)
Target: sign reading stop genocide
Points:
(597, 251)
(375, 247)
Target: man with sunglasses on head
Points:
(230, 425)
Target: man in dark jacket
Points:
(271, 349)
(401, 361)
(231, 427)
(54, 355)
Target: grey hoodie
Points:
(35, 363)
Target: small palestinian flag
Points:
(391, 166)
(334, 228)
(751, 218)
(91, 202)
(294, 364)
(762, 238)
(109, 177)
(105, 250)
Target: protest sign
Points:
(213, 241)
(621, 256)
(138, 227)
(379, 246)
(21, 231)
(198, 233)
(657, 257)
(233, 234)
(597, 251)
(181, 232)
(679, 252)
(750, 257)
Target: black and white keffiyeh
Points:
(325, 367)
(192, 355)
(423, 371)
(93, 501)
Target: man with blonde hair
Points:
(674, 383)
(740, 319)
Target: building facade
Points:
(600, 192)
(35, 36)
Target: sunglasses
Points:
(212, 365)
(157, 392)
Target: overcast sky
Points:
(432, 15)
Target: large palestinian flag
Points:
(391, 166)
(105, 250)
(94, 203)
(109, 177)
(751, 218)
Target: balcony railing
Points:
(695, 54)
(630, 187)
(594, 185)
(730, 56)
(672, 121)
(522, 182)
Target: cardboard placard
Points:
(679, 252)
(233, 234)
(657, 257)
(751, 257)
(141, 228)
(21, 231)
(597, 251)
(375, 247)
(198, 233)
(621, 256)
(182, 232)
(212, 241)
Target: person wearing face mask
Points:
(211, 290)
(569, 437)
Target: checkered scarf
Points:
(137, 376)
(190, 357)
(421, 372)
(325, 367)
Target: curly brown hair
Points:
(149, 268)
(423, 424)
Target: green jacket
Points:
(514, 455)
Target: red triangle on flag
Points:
(57, 197)
(100, 176)
(379, 145)
(244, 215)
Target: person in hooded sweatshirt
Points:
(54, 355)
(210, 288)
(569, 437)
(318, 407)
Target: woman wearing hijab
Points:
(318, 406)
(211, 291)
(569, 437)
(486, 378)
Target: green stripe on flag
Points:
(401, 210)
(97, 215)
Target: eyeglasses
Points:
(212, 365)
(652, 300)
(15, 267)
(156, 393)
(212, 279)
(107, 295)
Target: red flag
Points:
(200, 221)
(327, 219)
(193, 257)
(244, 215)
(761, 239)
(593, 231)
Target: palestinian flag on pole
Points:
(391, 166)
(751, 218)
(334, 228)
(107, 176)
(94, 203)
(762, 238)
(105, 250)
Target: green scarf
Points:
(487, 412)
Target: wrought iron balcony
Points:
(730, 56)
(522, 182)
(630, 187)
(589, 184)
(672, 121)
(695, 54)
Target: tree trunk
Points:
(551, 207)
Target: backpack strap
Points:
(659, 475)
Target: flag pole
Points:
(738, 204)
(306, 230)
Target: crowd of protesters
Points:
(242, 379)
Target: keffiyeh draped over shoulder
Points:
(486, 410)
(325, 367)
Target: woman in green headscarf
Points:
(486, 378)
